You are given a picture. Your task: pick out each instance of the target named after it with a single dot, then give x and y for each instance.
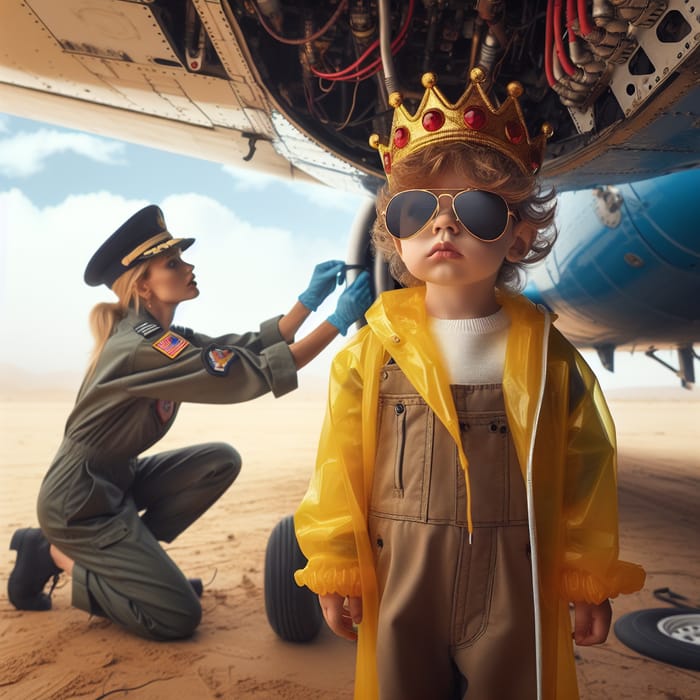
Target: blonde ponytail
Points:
(105, 316)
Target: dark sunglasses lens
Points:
(485, 214)
(409, 211)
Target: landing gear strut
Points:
(686, 369)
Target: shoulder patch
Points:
(147, 328)
(218, 360)
(182, 330)
(171, 344)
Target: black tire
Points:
(292, 611)
(663, 634)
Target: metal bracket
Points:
(686, 371)
(252, 144)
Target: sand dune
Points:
(63, 654)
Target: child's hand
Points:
(341, 617)
(591, 623)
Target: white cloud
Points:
(329, 198)
(316, 195)
(26, 153)
(249, 180)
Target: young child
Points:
(465, 489)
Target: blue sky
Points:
(63, 192)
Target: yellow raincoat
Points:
(565, 441)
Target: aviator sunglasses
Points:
(483, 214)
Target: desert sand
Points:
(64, 654)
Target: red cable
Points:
(563, 57)
(583, 23)
(352, 66)
(373, 67)
(367, 71)
(571, 19)
(571, 27)
(548, 45)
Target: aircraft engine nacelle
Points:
(608, 274)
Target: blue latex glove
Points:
(352, 304)
(326, 276)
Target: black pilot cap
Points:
(140, 238)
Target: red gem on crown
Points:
(401, 136)
(433, 120)
(474, 118)
(514, 132)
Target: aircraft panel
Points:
(108, 29)
(633, 82)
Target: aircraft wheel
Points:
(292, 611)
(671, 636)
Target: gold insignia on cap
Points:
(158, 249)
(145, 248)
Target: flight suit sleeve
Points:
(592, 571)
(255, 341)
(329, 514)
(192, 367)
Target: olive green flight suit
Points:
(106, 507)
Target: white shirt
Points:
(473, 349)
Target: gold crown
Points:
(471, 119)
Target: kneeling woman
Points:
(101, 507)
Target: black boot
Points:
(197, 586)
(33, 568)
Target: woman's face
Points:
(169, 280)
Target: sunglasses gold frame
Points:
(446, 192)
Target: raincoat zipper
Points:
(534, 546)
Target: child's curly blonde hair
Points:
(481, 168)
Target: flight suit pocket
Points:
(400, 472)
(92, 496)
(115, 532)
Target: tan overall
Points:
(455, 620)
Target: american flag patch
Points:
(171, 344)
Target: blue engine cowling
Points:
(625, 271)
